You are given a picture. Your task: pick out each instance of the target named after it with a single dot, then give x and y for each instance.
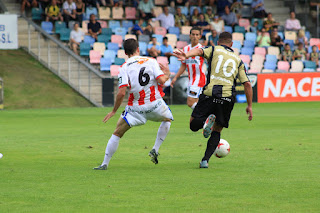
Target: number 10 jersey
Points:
(140, 74)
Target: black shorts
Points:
(220, 107)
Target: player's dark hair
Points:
(130, 46)
(165, 38)
(225, 38)
(195, 28)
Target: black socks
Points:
(212, 145)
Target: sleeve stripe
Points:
(125, 85)
(159, 76)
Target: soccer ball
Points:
(222, 149)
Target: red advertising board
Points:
(289, 87)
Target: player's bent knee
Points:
(195, 125)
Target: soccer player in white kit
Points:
(142, 75)
(197, 76)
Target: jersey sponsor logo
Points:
(221, 79)
(142, 60)
(290, 87)
(191, 61)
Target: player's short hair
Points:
(195, 28)
(225, 38)
(165, 38)
(130, 46)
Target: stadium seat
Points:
(103, 24)
(251, 36)
(307, 34)
(256, 66)
(117, 13)
(186, 30)
(236, 51)
(121, 54)
(290, 42)
(270, 65)
(106, 31)
(155, 24)
(236, 44)
(143, 47)
(314, 41)
(246, 12)
(192, 8)
(104, 39)
(119, 61)
(157, 11)
(113, 46)
(181, 44)
(267, 71)
(309, 66)
(85, 26)
(183, 37)
(244, 23)
(173, 68)
(228, 29)
(239, 29)
(110, 54)
(174, 30)
(105, 64)
(254, 71)
(290, 35)
(245, 58)
(114, 70)
(246, 66)
(283, 65)
(174, 61)
(249, 2)
(184, 10)
(260, 22)
(94, 57)
(248, 43)
(271, 58)
(121, 31)
(105, 13)
(296, 66)
(172, 40)
(144, 38)
(281, 28)
(89, 11)
(260, 51)
(100, 47)
(113, 24)
(258, 58)
(85, 49)
(89, 40)
(127, 24)
(274, 51)
(71, 24)
(59, 25)
(281, 35)
(246, 51)
(65, 34)
(130, 12)
(36, 13)
(238, 37)
(117, 39)
(162, 60)
(130, 36)
(160, 31)
(47, 26)
(159, 38)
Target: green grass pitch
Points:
(49, 154)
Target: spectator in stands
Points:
(221, 5)
(209, 16)
(313, 8)
(236, 8)
(301, 38)
(292, 23)
(166, 18)
(229, 18)
(179, 3)
(314, 55)
(80, 11)
(258, 9)
(180, 19)
(165, 48)
(203, 24)
(153, 48)
(29, 4)
(146, 9)
(300, 53)
(44, 3)
(138, 29)
(69, 11)
(213, 38)
(194, 17)
(263, 39)
(53, 12)
(255, 27)
(76, 36)
(270, 23)
(276, 39)
(287, 53)
(94, 27)
(217, 24)
(98, 3)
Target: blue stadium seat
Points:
(113, 46)
(249, 2)
(271, 58)
(183, 37)
(239, 29)
(270, 65)
(174, 30)
(246, 66)
(248, 43)
(89, 11)
(236, 44)
(114, 24)
(281, 35)
(121, 31)
(85, 49)
(309, 66)
(47, 26)
(228, 29)
(36, 13)
(144, 38)
(307, 34)
(65, 34)
(184, 10)
(173, 68)
(194, 7)
(89, 40)
(105, 64)
(281, 28)
(260, 22)
(110, 54)
(251, 36)
(143, 47)
(119, 61)
(106, 31)
(127, 24)
(290, 42)
(103, 38)
(59, 25)
(159, 38)
(174, 61)
(246, 51)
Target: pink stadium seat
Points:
(181, 44)
(253, 71)
(103, 24)
(244, 23)
(260, 51)
(238, 37)
(160, 31)
(94, 56)
(314, 41)
(117, 39)
(114, 70)
(130, 13)
(122, 54)
(258, 58)
(256, 67)
(162, 60)
(245, 58)
(283, 65)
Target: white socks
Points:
(112, 147)
(162, 134)
(194, 105)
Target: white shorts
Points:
(194, 91)
(155, 111)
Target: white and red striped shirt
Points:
(197, 76)
(140, 74)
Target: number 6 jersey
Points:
(140, 74)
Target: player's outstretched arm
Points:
(165, 69)
(192, 53)
(119, 99)
(181, 70)
(248, 92)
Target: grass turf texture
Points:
(47, 165)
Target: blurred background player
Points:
(213, 111)
(197, 77)
(143, 76)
